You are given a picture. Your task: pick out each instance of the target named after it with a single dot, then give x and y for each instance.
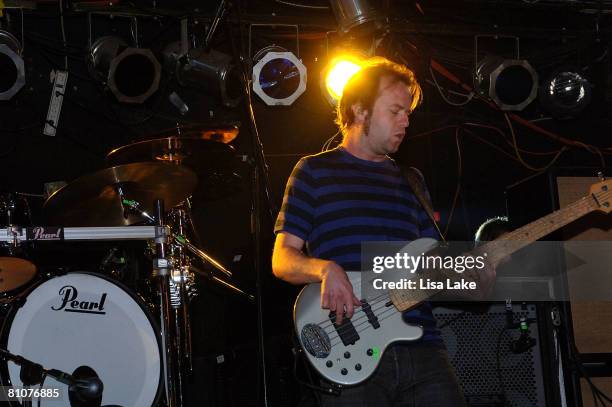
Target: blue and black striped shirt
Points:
(334, 201)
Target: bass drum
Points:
(84, 319)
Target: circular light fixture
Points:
(565, 93)
(132, 74)
(279, 78)
(12, 68)
(210, 71)
(511, 83)
(335, 76)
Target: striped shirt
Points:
(334, 201)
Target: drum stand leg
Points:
(167, 341)
(178, 346)
(161, 271)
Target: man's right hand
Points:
(337, 291)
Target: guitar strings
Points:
(333, 338)
(376, 300)
(390, 314)
(371, 302)
(354, 322)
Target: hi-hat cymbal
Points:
(202, 156)
(94, 200)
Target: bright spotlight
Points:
(336, 75)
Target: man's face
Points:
(385, 126)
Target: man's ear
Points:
(359, 113)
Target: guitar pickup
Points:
(372, 319)
(347, 332)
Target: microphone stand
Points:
(260, 181)
(32, 374)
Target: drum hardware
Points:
(161, 272)
(184, 242)
(86, 233)
(224, 283)
(131, 206)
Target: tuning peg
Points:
(601, 176)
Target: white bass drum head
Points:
(82, 319)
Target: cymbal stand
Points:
(183, 242)
(180, 298)
(161, 272)
(130, 205)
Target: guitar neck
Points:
(501, 247)
(521, 237)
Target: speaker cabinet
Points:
(480, 349)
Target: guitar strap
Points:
(417, 183)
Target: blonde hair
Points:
(363, 87)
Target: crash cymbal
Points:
(93, 199)
(202, 156)
(220, 133)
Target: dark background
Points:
(464, 151)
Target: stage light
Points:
(279, 77)
(355, 16)
(511, 83)
(12, 69)
(211, 71)
(336, 75)
(131, 74)
(565, 93)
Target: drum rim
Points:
(10, 316)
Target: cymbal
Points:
(93, 199)
(198, 154)
(219, 133)
(222, 135)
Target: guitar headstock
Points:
(602, 194)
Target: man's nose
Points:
(404, 119)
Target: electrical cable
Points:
(469, 96)
(288, 3)
(501, 133)
(61, 10)
(518, 154)
(458, 188)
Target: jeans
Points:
(409, 375)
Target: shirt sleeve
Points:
(299, 202)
